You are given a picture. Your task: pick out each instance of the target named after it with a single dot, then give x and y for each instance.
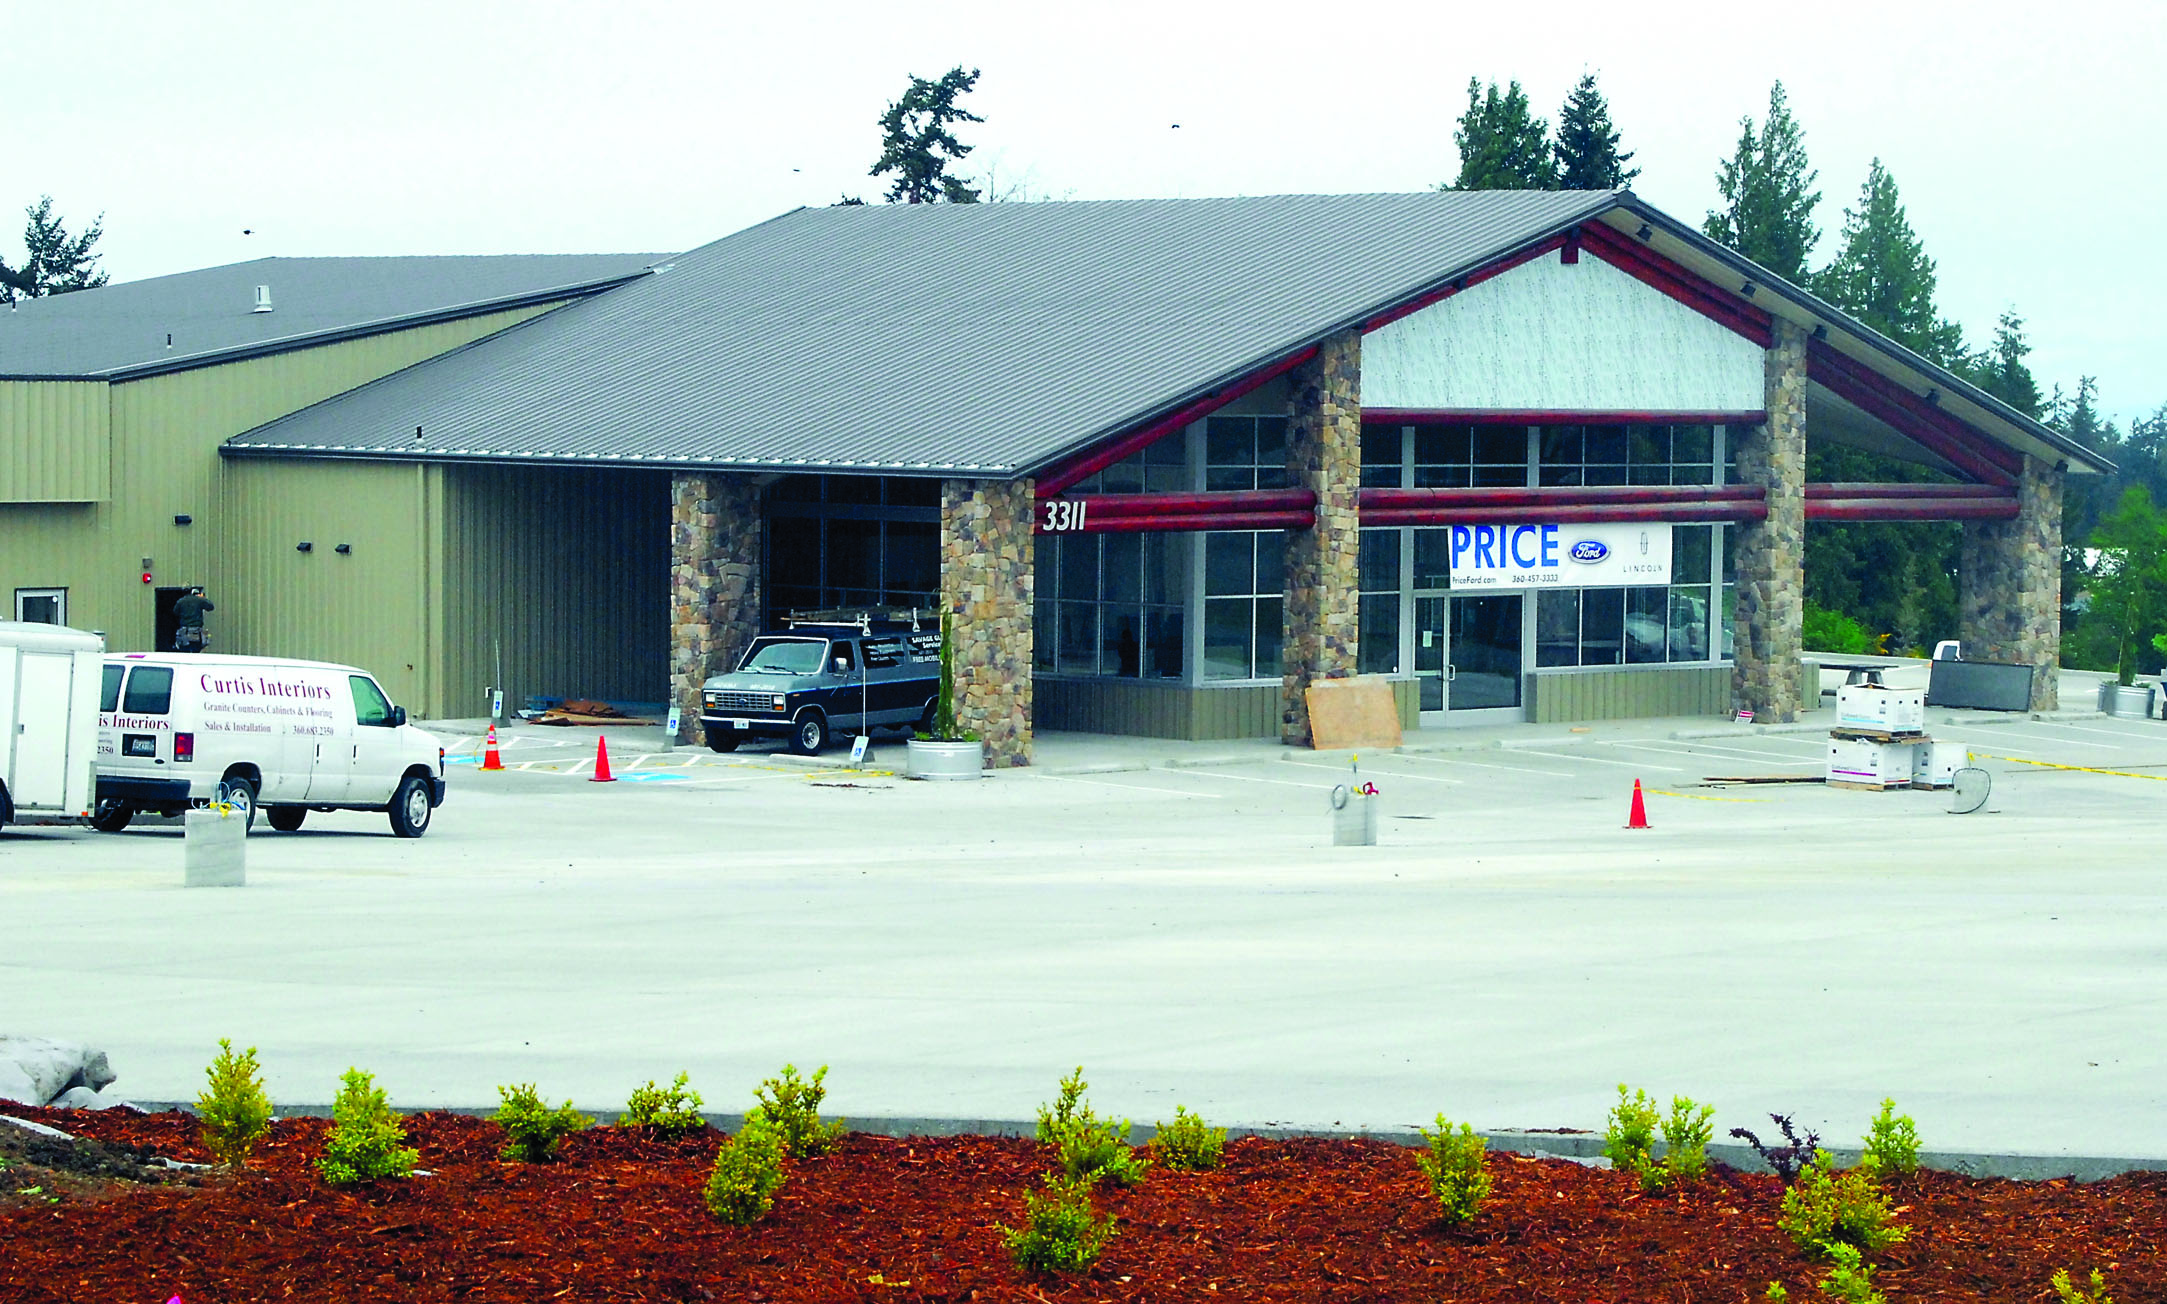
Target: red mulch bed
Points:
(619, 1217)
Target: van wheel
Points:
(410, 807)
(723, 740)
(111, 815)
(239, 793)
(286, 818)
(809, 734)
(925, 717)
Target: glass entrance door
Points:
(1468, 656)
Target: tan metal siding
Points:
(1119, 706)
(1557, 696)
(163, 433)
(55, 441)
(569, 569)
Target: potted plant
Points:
(943, 750)
(2131, 576)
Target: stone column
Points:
(986, 554)
(1770, 555)
(2009, 604)
(714, 584)
(1323, 596)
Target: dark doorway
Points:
(167, 621)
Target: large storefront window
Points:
(1244, 601)
(1644, 625)
(1111, 604)
(1615, 455)
(1378, 628)
(1245, 453)
(838, 542)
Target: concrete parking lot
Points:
(1173, 918)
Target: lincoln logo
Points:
(1590, 551)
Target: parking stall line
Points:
(1697, 749)
(1243, 778)
(1598, 760)
(1485, 765)
(2034, 738)
(1397, 774)
(2126, 735)
(1146, 789)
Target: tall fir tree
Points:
(918, 146)
(56, 262)
(1883, 277)
(1502, 145)
(1768, 194)
(2000, 370)
(1587, 144)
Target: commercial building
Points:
(1528, 455)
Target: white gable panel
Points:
(1552, 337)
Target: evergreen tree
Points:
(1587, 145)
(917, 145)
(1768, 194)
(2000, 370)
(1883, 277)
(56, 262)
(1502, 146)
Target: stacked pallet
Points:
(1880, 741)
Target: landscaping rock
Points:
(34, 1071)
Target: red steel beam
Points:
(1651, 268)
(1909, 491)
(1911, 509)
(1569, 513)
(1385, 416)
(1913, 417)
(1459, 283)
(1550, 496)
(1091, 463)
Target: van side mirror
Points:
(842, 667)
(398, 716)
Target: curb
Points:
(1578, 1146)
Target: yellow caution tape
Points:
(1694, 796)
(2049, 765)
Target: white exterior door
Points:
(41, 740)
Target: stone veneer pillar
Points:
(714, 584)
(2009, 604)
(986, 555)
(1770, 555)
(1323, 595)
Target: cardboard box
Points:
(1883, 710)
(1864, 763)
(1934, 764)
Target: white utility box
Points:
(1934, 764)
(1864, 763)
(1883, 710)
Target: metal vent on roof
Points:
(263, 299)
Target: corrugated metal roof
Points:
(209, 314)
(987, 338)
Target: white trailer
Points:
(49, 684)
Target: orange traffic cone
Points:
(490, 759)
(1639, 818)
(601, 762)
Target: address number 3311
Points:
(1062, 516)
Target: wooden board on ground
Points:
(1866, 787)
(1878, 735)
(1356, 712)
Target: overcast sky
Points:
(2026, 137)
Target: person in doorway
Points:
(190, 636)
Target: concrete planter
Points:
(216, 846)
(2130, 700)
(939, 760)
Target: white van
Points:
(177, 729)
(48, 721)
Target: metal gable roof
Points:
(983, 338)
(201, 317)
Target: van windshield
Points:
(785, 656)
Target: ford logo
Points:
(1590, 551)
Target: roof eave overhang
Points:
(359, 330)
(469, 456)
(1951, 393)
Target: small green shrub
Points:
(533, 1130)
(793, 1105)
(748, 1172)
(2069, 1293)
(1061, 1231)
(1629, 1138)
(1188, 1143)
(1453, 1165)
(1851, 1281)
(1823, 630)
(1686, 1134)
(672, 1111)
(364, 1144)
(233, 1112)
(1826, 1209)
(1092, 1149)
(1892, 1143)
